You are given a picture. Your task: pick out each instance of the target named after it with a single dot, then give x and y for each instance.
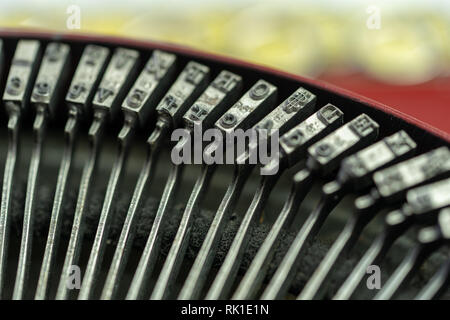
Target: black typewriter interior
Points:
(53, 145)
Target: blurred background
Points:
(396, 52)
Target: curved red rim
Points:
(23, 32)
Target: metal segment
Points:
(147, 90)
(39, 128)
(279, 284)
(205, 111)
(8, 183)
(172, 264)
(22, 73)
(44, 98)
(404, 272)
(278, 118)
(110, 93)
(257, 270)
(15, 98)
(221, 286)
(151, 249)
(345, 240)
(429, 239)
(174, 259)
(353, 171)
(394, 181)
(137, 106)
(98, 247)
(188, 86)
(296, 107)
(323, 157)
(95, 136)
(82, 88)
(373, 255)
(87, 77)
(205, 257)
(397, 223)
(250, 108)
(437, 284)
(126, 237)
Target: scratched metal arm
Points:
(112, 89)
(221, 93)
(141, 100)
(398, 222)
(44, 98)
(414, 212)
(323, 158)
(305, 102)
(294, 145)
(236, 117)
(140, 104)
(188, 86)
(295, 108)
(16, 98)
(82, 88)
(428, 240)
(355, 172)
(437, 284)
